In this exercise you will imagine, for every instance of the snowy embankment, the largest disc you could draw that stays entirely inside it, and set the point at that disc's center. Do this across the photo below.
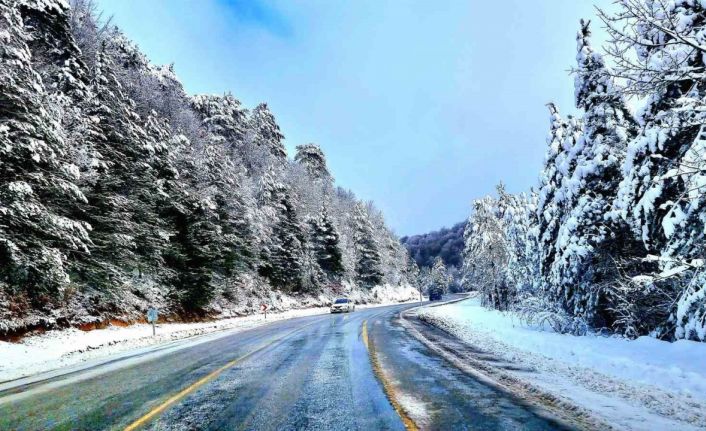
(56, 349)
(631, 384)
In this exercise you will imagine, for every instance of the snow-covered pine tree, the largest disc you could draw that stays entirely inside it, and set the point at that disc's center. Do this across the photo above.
(325, 243)
(238, 251)
(211, 240)
(550, 179)
(439, 279)
(343, 211)
(520, 223)
(181, 213)
(367, 254)
(223, 180)
(393, 256)
(121, 202)
(413, 273)
(587, 243)
(310, 192)
(87, 28)
(288, 249)
(486, 256)
(313, 277)
(662, 195)
(314, 160)
(690, 313)
(37, 182)
(55, 55)
(193, 253)
(282, 252)
(225, 119)
(264, 147)
(559, 162)
(220, 186)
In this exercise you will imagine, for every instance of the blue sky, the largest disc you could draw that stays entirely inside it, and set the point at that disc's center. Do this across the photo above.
(420, 106)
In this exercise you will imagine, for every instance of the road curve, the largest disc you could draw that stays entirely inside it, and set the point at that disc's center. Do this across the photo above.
(304, 373)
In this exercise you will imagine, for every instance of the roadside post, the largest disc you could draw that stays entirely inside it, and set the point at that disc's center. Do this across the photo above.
(263, 307)
(152, 316)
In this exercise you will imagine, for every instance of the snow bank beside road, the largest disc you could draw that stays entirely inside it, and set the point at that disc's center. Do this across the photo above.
(608, 375)
(389, 294)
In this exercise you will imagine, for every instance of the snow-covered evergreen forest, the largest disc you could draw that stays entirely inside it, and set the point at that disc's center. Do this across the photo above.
(612, 237)
(119, 191)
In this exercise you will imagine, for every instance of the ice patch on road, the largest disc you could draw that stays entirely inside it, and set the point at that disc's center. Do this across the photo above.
(414, 407)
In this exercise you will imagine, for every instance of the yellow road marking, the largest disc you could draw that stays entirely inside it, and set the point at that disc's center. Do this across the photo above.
(189, 389)
(386, 384)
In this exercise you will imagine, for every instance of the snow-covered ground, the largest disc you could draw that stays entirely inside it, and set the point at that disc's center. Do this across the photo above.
(642, 384)
(69, 347)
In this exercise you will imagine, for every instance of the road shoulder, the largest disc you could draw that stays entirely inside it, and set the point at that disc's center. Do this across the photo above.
(583, 395)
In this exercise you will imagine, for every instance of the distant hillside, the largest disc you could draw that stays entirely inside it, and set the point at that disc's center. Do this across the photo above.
(447, 243)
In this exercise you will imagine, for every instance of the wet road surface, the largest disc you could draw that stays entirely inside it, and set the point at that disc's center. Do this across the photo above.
(305, 373)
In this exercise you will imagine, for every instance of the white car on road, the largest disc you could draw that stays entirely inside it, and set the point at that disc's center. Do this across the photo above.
(342, 305)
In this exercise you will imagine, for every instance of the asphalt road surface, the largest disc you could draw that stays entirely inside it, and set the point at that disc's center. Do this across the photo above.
(306, 373)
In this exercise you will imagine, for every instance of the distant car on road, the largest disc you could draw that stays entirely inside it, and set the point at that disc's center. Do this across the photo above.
(342, 305)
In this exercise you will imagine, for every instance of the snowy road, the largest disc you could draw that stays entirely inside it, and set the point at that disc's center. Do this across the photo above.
(313, 372)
